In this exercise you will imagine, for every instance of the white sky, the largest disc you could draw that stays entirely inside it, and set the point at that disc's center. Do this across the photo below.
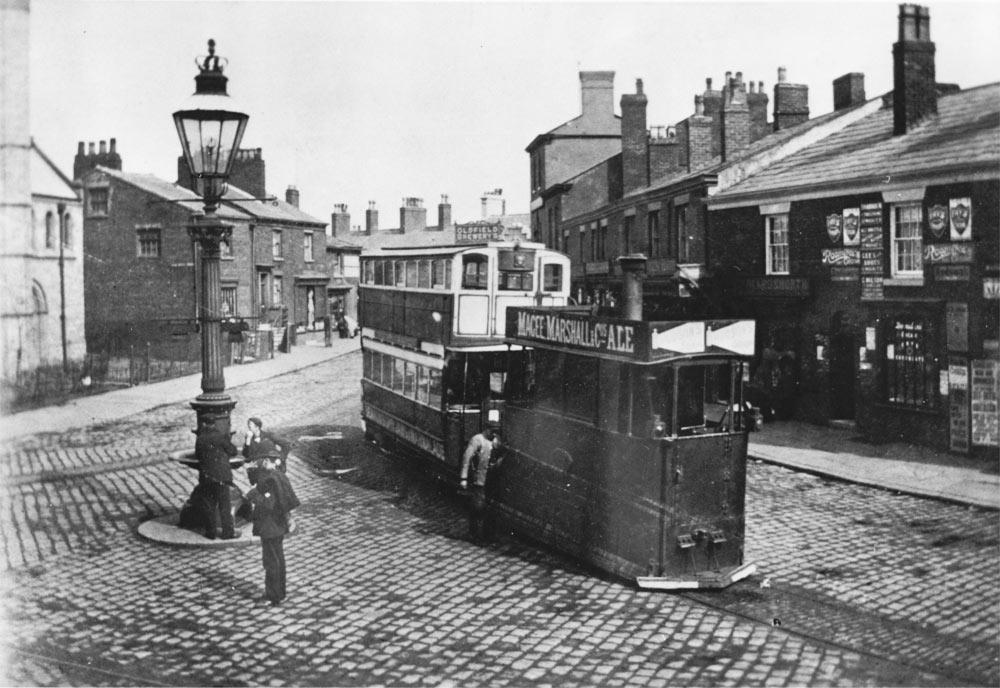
(354, 102)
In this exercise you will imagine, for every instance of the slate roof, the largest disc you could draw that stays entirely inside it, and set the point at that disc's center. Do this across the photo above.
(963, 136)
(338, 244)
(276, 210)
(578, 126)
(168, 191)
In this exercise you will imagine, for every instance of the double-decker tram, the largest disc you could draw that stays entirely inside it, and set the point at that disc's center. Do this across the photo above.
(432, 333)
(624, 440)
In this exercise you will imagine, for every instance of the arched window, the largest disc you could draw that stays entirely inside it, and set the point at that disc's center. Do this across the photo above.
(67, 231)
(50, 230)
(40, 303)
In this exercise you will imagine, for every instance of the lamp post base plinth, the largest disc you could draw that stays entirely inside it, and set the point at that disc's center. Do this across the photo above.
(215, 409)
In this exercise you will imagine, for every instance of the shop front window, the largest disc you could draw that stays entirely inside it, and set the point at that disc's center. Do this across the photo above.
(911, 370)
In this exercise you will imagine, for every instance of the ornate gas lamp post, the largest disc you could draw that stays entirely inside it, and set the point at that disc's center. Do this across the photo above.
(210, 127)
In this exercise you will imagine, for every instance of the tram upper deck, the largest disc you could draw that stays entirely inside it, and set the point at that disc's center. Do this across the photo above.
(431, 297)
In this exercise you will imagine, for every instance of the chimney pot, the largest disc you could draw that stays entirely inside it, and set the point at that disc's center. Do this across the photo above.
(104, 147)
(739, 77)
(91, 149)
(699, 106)
(79, 148)
(782, 75)
(113, 142)
(708, 84)
(638, 86)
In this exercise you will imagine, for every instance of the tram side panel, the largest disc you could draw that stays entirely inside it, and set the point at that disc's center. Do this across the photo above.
(597, 496)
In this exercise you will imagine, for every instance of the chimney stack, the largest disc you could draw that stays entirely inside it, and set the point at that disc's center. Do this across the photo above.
(664, 152)
(735, 117)
(597, 96)
(84, 163)
(444, 213)
(698, 129)
(292, 196)
(791, 102)
(757, 101)
(340, 220)
(412, 215)
(635, 170)
(371, 218)
(914, 95)
(712, 104)
(848, 90)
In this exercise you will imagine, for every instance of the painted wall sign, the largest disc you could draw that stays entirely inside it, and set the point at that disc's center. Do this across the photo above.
(985, 404)
(937, 220)
(478, 232)
(948, 253)
(793, 287)
(852, 226)
(991, 287)
(957, 318)
(872, 269)
(952, 273)
(961, 218)
(841, 256)
(834, 224)
(958, 405)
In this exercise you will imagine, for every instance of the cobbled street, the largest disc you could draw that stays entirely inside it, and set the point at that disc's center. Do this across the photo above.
(856, 585)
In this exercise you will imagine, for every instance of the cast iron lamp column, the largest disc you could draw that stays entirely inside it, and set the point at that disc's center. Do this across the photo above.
(210, 128)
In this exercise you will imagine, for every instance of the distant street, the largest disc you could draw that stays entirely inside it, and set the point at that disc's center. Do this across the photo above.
(856, 585)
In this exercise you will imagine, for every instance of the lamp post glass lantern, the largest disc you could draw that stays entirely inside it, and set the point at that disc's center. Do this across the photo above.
(210, 128)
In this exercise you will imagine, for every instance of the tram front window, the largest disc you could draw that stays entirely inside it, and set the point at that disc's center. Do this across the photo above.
(702, 394)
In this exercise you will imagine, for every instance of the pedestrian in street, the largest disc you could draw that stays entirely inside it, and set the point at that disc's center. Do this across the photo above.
(213, 448)
(273, 499)
(481, 454)
(259, 443)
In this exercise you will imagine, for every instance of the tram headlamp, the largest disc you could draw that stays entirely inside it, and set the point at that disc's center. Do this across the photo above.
(436, 317)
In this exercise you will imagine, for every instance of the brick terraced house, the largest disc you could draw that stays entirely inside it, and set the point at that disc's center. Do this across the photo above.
(873, 254)
(140, 279)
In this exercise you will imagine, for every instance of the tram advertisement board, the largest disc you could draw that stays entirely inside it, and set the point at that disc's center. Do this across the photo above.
(633, 339)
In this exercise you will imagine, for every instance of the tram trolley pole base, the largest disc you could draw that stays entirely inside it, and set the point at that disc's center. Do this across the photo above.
(707, 580)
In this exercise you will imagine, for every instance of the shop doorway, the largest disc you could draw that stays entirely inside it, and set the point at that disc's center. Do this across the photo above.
(843, 367)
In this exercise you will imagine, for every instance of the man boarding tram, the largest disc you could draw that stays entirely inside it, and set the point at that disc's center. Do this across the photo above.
(481, 454)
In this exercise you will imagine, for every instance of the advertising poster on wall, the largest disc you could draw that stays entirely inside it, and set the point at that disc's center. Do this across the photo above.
(872, 270)
(961, 218)
(958, 404)
(985, 410)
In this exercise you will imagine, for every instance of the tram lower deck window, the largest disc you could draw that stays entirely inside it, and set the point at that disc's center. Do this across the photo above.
(567, 384)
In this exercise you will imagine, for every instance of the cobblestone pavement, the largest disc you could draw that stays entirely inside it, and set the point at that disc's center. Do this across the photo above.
(869, 587)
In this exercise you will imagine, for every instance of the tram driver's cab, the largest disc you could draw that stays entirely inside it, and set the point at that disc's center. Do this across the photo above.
(692, 397)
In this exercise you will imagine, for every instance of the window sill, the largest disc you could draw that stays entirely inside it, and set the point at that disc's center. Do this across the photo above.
(903, 282)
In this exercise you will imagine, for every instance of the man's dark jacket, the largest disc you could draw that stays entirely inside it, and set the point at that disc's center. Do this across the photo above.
(272, 497)
(213, 449)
